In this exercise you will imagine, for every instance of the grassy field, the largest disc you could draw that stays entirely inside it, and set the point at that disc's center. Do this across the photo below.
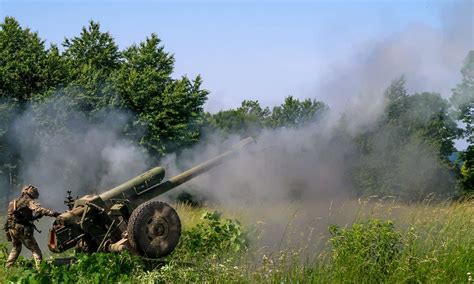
(345, 242)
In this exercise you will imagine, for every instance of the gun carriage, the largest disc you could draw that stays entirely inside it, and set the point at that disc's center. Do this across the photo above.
(126, 217)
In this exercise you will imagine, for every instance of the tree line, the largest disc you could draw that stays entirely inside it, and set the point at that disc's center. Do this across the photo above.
(90, 75)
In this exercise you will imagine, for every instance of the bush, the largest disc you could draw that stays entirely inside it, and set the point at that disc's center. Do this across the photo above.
(3, 254)
(95, 268)
(214, 236)
(369, 250)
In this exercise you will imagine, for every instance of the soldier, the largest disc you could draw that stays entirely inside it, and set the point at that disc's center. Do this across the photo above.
(19, 227)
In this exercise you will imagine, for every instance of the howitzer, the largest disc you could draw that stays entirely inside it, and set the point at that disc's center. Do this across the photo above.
(126, 217)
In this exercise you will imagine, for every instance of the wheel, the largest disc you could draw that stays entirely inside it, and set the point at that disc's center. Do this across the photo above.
(154, 229)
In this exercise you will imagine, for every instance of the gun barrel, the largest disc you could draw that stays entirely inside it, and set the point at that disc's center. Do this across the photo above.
(136, 185)
(203, 167)
(189, 174)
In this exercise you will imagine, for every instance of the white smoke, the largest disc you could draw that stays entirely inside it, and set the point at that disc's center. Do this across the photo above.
(429, 57)
(316, 157)
(81, 156)
(314, 163)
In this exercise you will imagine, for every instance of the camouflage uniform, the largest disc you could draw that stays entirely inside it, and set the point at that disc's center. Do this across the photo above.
(21, 214)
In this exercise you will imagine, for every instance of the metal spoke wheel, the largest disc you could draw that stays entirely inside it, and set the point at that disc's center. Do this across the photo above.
(154, 229)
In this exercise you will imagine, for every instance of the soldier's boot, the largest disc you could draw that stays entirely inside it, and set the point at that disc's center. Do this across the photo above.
(31, 244)
(15, 252)
(37, 258)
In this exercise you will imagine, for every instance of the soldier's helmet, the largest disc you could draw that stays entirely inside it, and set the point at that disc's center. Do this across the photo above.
(31, 190)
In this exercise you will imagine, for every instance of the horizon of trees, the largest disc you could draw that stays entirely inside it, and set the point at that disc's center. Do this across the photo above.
(93, 77)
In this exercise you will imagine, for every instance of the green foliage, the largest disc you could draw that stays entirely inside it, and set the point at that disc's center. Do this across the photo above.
(23, 60)
(3, 253)
(396, 94)
(463, 102)
(97, 268)
(8, 158)
(463, 97)
(247, 120)
(208, 242)
(406, 154)
(24, 73)
(432, 244)
(213, 237)
(90, 57)
(293, 112)
(250, 118)
(372, 247)
(423, 114)
(167, 113)
(205, 271)
(92, 48)
(467, 171)
(87, 82)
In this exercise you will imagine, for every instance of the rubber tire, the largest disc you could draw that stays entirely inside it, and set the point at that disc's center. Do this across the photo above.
(139, 236)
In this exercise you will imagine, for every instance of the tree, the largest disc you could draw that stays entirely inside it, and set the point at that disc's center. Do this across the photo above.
(463, 97)
(396, 96)
(27, 71)
(295, 113)
(91, 58)
(247, 120)
(467, 171)
(168, 113)
(27, 68)
(463, 103)
(92, 48)
(406, 154)
(250, 118)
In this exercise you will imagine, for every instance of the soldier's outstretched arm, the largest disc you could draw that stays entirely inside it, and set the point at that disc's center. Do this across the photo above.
(36, 207)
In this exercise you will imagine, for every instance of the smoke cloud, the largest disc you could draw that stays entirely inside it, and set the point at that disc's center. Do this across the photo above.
(429, 57)
(315, 161)
(79, 155)
(313, 164)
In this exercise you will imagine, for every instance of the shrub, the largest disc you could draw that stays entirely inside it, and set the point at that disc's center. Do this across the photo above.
(369, 249)
(3, 254)
(213, 236)
(95, 268)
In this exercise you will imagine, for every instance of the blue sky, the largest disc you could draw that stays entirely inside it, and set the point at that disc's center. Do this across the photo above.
(263, 50)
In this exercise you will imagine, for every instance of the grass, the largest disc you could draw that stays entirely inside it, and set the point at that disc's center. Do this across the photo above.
(370, 242)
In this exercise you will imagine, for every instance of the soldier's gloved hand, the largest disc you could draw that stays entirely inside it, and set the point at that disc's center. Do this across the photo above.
(56, 214)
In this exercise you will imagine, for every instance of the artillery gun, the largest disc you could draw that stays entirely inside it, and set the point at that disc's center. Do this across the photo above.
(126, 217)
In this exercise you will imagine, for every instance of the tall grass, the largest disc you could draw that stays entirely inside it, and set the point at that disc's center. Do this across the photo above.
(378, 242)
